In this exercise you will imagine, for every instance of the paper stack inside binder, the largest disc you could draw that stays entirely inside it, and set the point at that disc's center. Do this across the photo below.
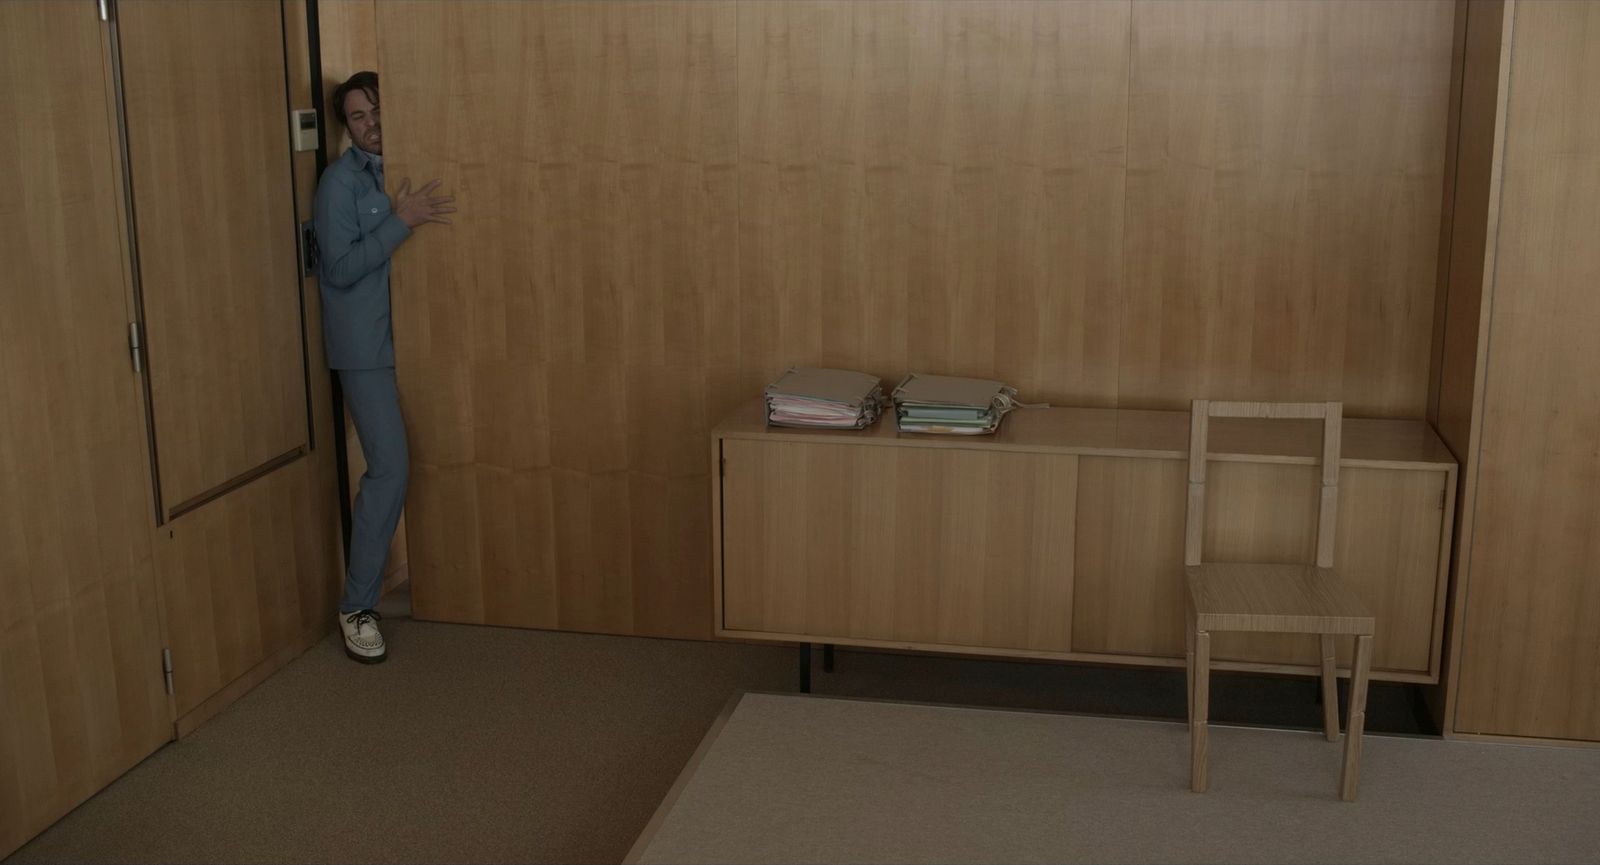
(829, 398)
(951, 405)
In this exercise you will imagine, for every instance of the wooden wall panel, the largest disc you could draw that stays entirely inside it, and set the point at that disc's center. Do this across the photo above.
(1447, 202)
(207, 109)
(348, 38)
(1285, 165)
(663, 205)
(1530, 662)
(934, 186)
(561, 389)
(81, 690)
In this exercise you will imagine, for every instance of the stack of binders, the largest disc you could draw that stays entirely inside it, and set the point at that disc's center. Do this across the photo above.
(827, 398)
(947, 404)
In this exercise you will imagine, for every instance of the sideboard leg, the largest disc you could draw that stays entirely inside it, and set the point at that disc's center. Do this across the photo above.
(805, 668)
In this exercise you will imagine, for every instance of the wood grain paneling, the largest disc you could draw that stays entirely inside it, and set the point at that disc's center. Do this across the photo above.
(1130, 597)
(620, 290)
(248, 574)
(561, 389)
(347, 33)
(934, 186)
(906, 545)
(204, 84)
(1477, 190)
(1467, 294)
(664, 205)
(1530, 663)
(1447, 202)
(1386, 552)
(1285, 165)
(81, 693)
(252, 578)
(269, 598)
(815, 526)
(1129, 573)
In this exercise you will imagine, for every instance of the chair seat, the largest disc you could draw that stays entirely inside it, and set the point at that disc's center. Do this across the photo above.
(1286, 599)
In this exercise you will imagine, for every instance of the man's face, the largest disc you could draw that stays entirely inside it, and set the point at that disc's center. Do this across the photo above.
(361, 118)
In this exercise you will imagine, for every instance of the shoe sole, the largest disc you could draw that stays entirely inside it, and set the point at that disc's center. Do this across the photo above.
(366, 659)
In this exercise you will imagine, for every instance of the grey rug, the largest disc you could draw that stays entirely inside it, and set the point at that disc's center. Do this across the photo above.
(818, 779)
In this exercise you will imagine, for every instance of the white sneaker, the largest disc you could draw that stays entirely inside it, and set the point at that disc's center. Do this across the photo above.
(362, 641)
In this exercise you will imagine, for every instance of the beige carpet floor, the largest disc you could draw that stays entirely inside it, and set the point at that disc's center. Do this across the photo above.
(470, 744)
(820, 779)
(477, 744)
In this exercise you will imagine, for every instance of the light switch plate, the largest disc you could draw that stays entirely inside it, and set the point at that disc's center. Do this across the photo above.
(303, 129)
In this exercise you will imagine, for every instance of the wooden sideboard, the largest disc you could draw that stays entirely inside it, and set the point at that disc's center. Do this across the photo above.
(1062, 535)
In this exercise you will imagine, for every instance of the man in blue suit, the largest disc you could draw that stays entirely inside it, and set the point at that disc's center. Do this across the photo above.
(358, 229)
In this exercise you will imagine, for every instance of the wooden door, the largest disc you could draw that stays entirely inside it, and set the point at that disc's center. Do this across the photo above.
(248, 553)
(1529, 661)
(82, 697)
(207, 115)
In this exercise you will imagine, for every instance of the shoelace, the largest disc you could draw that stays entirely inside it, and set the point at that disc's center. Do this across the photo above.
(361, 617)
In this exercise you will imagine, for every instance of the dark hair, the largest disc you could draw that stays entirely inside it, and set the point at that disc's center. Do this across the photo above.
(366, 82)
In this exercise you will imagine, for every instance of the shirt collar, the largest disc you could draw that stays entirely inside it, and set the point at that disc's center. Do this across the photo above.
(363, 159)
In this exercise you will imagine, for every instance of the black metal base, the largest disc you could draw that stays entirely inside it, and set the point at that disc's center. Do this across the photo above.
(805, 664)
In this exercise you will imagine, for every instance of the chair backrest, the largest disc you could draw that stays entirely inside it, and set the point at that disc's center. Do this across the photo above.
(1332, 416)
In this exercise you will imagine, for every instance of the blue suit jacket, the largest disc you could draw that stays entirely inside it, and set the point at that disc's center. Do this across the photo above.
(357, 231)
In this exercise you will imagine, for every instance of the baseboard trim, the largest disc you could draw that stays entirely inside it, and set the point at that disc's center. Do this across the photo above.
(1534, 741)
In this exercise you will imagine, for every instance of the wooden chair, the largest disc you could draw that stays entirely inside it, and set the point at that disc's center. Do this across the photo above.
(1284, 599)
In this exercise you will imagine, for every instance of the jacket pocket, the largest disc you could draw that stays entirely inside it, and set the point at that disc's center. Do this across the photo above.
(372, 210)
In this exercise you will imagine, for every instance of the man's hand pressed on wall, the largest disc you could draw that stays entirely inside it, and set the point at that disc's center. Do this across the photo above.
(415, 208)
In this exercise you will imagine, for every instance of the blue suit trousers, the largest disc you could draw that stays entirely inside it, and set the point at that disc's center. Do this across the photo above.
(374, 403)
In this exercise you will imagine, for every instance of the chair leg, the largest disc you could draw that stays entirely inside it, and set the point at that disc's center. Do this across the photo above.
(1188, 670)
(1197, 718)
(1350, 774)
(1330, 690)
